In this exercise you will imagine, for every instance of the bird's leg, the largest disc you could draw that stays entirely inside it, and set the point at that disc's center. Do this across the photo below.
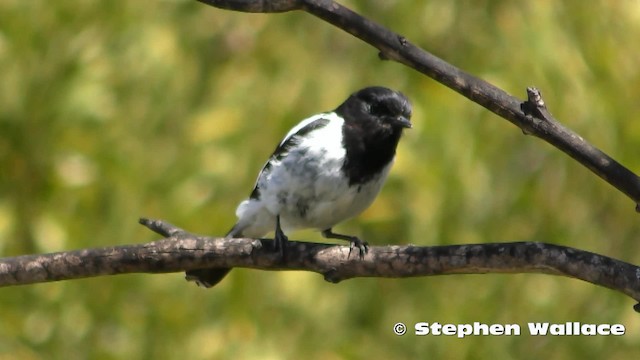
(354, 241)
(280, 240)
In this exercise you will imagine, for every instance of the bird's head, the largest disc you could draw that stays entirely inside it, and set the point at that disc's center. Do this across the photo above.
(379, 105)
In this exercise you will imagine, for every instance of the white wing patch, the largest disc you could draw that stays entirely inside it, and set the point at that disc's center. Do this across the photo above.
(331, 116)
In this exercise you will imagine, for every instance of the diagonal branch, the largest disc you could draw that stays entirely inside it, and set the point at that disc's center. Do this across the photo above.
(180, 251)
(395, 47)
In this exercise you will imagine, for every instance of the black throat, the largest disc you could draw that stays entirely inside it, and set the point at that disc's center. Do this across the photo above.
(369, 148)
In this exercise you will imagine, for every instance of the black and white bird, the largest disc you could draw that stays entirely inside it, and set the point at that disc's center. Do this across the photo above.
(329, 168)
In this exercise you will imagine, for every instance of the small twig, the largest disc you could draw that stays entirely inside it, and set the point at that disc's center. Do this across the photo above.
(184, 251)
(162, 227)
(393, 46)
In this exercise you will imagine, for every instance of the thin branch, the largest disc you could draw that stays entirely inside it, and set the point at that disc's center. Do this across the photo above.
(180, 251)
(393, 46)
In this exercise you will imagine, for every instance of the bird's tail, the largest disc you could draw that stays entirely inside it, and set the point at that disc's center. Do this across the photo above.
(209, 277)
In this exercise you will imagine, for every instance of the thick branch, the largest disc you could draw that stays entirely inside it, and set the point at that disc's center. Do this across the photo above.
(396, 47)
(180, 251)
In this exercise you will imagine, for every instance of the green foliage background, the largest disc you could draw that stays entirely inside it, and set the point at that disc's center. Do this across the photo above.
(112, 110)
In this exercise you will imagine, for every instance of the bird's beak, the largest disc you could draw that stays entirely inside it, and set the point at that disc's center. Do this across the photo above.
(404, 122)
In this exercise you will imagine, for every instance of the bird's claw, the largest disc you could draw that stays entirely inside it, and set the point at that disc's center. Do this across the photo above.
(363, 247)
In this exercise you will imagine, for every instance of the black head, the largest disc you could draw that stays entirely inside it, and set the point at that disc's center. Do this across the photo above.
(374, 118)
(379, 107)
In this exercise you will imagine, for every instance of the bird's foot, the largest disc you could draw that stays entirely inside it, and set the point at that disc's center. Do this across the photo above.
(354, 242)
(362, 246)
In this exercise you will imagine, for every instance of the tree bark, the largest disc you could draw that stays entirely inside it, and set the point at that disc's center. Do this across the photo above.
(180, 251)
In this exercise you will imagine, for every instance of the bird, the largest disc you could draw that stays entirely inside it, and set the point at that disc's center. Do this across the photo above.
(328, 168)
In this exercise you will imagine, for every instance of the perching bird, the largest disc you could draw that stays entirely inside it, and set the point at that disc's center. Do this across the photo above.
(329, 168)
